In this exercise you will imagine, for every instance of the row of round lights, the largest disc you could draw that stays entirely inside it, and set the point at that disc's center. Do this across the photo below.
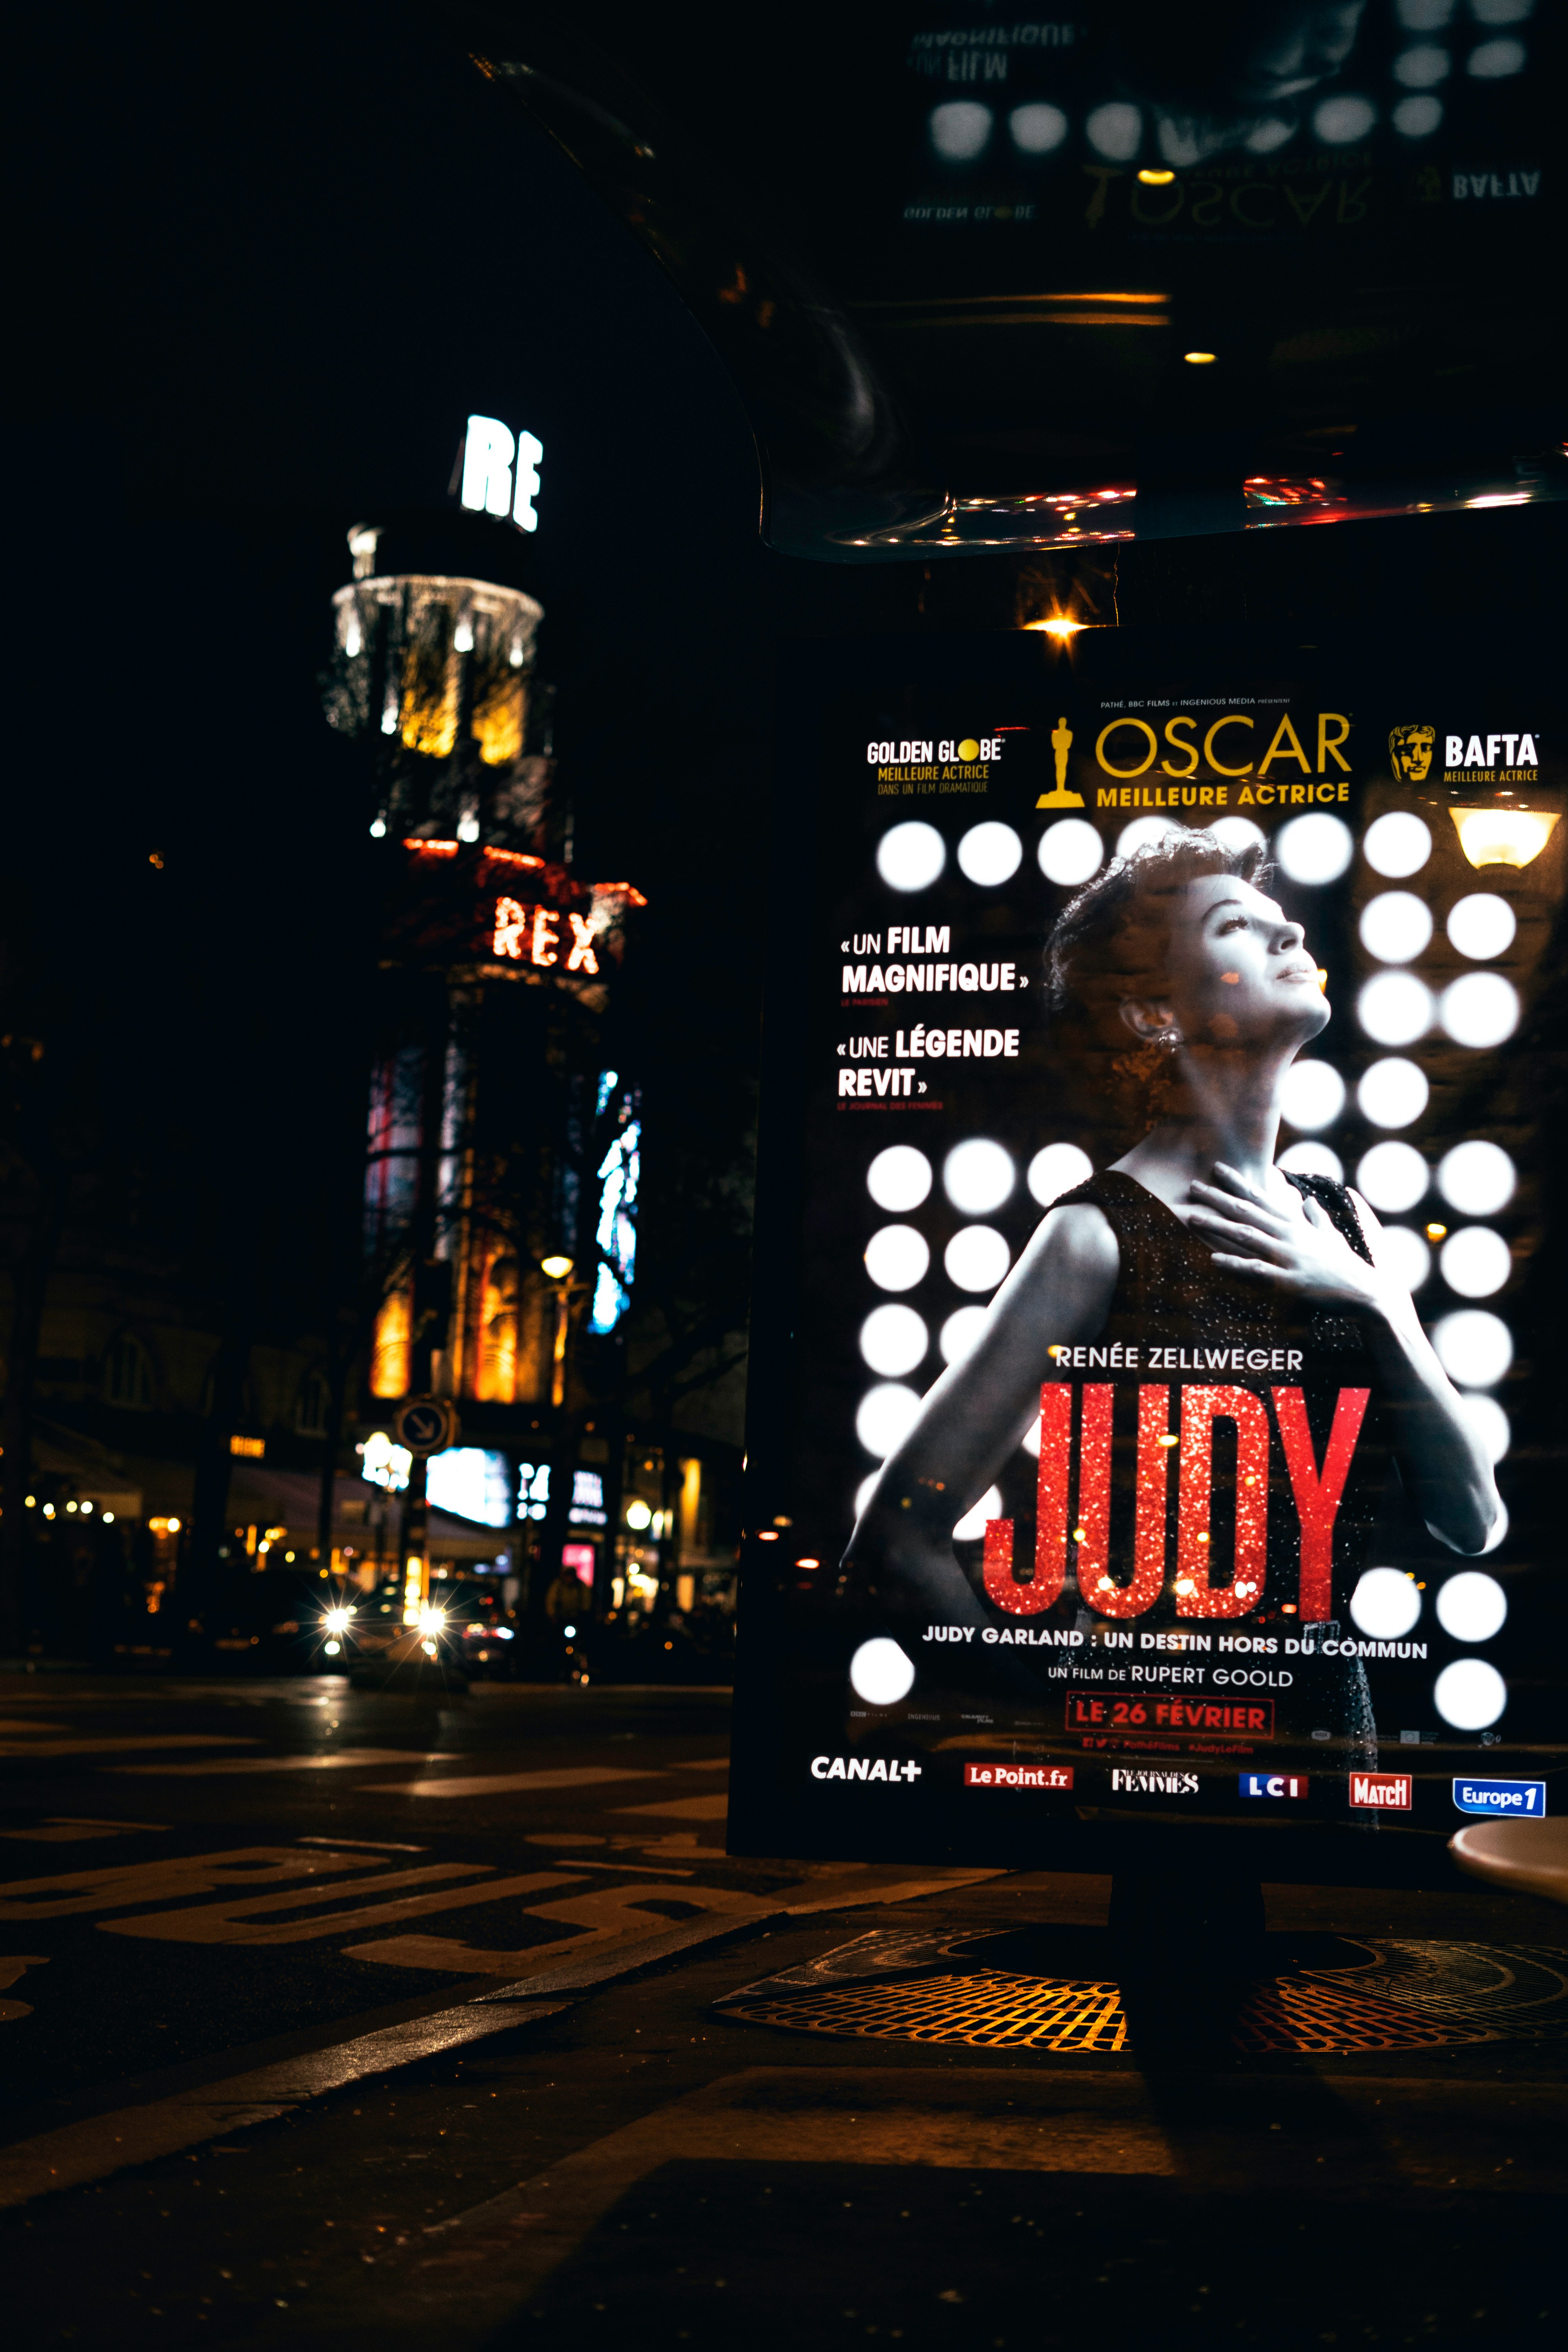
(978, 1176)
(961, 130)
(1469, 1693)
(1394, 1007)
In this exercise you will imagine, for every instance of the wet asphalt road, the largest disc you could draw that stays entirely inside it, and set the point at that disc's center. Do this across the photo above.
(249, 1928)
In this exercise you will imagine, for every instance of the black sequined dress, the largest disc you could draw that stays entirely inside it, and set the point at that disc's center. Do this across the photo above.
(1309, 1417)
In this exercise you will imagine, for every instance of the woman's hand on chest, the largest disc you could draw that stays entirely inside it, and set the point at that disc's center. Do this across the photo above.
(1292, 1246)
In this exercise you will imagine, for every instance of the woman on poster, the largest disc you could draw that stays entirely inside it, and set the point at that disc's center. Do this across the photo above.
(1195, 993)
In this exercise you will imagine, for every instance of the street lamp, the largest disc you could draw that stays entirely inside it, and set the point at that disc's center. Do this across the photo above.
(558, 1270)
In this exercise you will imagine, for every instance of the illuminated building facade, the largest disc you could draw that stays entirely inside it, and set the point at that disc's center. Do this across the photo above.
(503, 1159)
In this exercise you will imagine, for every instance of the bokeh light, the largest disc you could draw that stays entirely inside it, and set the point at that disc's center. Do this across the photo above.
(1394, 1009)
(1312, 1096)
(1473, 1606)
(899, 1178)
(1314, 849)
(1056, 1169)
(886, 1415)
(1480, 1010)
(990, 854)
(958, 130)
(1395, 926)
(1393, 1093)
(1417, 118)
(1115, 131)
(894, 1340)
(1477, 1178)
(1038, 130)
(1385, 1604)
(976, 1258)
(880, 1674)
(1393, 1176)
(1476, 1261)
(1339, 121)
(1470, 1694)
(1481, 926)
(978, 1176)
(960, 1335)
(1473, 1347)
(910, 855)
(1069, 852)
(897, 1257)
(1397, 845)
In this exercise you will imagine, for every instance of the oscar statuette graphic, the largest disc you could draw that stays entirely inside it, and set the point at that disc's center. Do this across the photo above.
(1061, 744)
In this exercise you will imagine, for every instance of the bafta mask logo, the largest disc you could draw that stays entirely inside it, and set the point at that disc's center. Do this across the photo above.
(1410, 754)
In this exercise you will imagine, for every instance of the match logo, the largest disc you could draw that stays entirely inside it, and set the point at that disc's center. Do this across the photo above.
(1381, 1792)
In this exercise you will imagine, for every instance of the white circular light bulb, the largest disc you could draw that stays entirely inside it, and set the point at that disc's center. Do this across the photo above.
(911, 856)
(880, 1674)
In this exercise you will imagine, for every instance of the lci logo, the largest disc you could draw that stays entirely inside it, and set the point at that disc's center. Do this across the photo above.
(1527, 1799)
(1017, 1776)
(1381, 1792)
(862, 1767)
(1273, 1784)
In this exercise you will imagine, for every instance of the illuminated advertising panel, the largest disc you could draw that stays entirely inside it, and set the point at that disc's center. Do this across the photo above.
(1154, 1413)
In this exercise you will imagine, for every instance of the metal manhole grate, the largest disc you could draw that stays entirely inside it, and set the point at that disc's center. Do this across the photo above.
(991, 2010)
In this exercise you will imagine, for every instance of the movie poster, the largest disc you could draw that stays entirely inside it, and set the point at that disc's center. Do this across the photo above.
(1155, 1413)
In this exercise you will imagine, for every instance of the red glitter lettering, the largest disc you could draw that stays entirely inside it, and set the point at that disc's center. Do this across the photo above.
(1318, 1494)
(1003, 1589)
(1197, 1594)
(1112, 1599)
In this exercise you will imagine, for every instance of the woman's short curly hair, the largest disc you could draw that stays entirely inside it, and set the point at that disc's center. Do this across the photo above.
(1111, 944)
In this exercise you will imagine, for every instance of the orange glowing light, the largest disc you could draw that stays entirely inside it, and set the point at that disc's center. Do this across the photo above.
(1200, 359)
(433, 848)
(509, 856)
(1437, 1232)
(1058, 626)
(512, 922)
(1156, 179)
(582, 958)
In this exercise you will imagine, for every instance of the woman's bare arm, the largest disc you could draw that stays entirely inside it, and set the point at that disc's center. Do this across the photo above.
(974, 1419)
(1440, 1456)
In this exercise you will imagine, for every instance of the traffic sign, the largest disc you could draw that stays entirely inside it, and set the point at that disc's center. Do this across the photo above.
(425, 1425)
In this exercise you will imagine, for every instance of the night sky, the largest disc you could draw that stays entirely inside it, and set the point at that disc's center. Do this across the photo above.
(271, 261)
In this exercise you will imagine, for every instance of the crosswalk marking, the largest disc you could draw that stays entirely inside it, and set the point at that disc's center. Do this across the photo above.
(327, 1759)
(609, 1918)
(124, 1744)
(115, 1886)
(499, 1784)
(230, 1922)
(684, 1808)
